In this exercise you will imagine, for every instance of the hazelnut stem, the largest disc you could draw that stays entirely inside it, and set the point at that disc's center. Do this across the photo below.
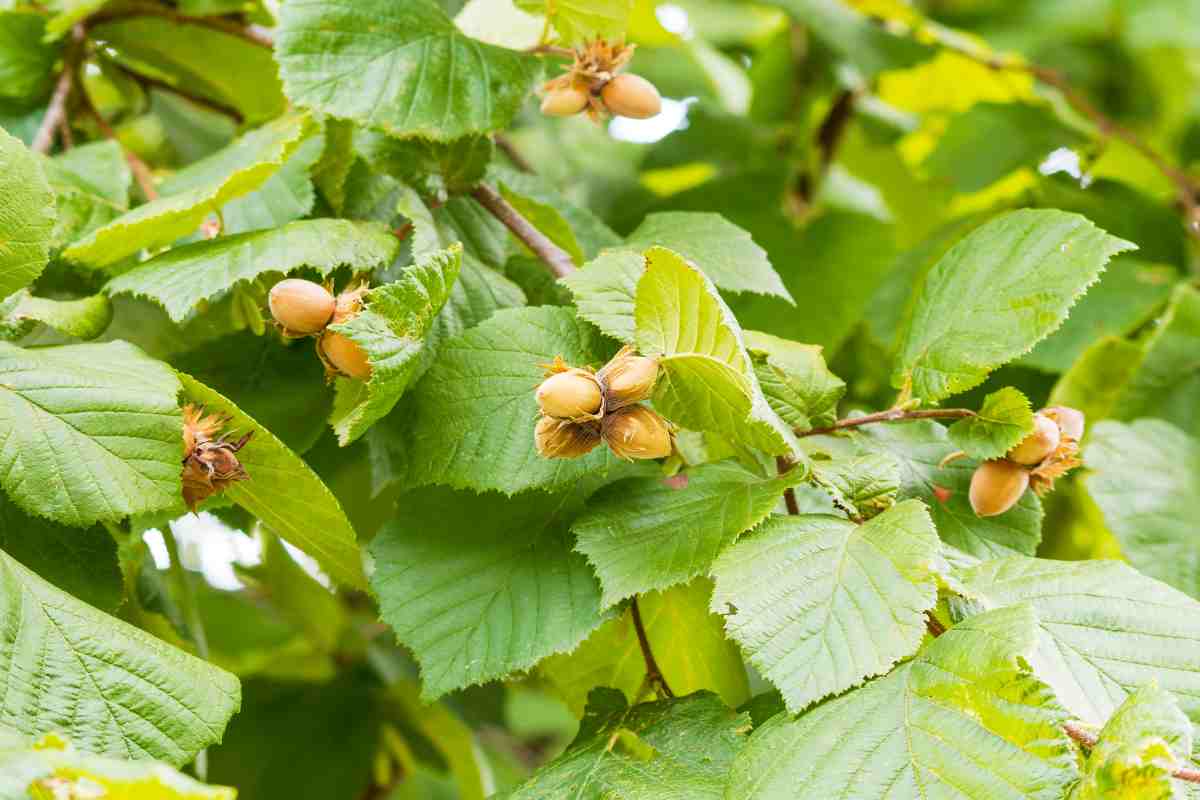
(654, 675)
(554, 257)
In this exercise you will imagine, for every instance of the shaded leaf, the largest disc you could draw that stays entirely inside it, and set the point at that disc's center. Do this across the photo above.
(27, 216)
(795, 380)
(1004, 419)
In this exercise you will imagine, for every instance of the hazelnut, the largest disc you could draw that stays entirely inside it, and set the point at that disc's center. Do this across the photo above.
(633, 96)
(1040, 443)
(301, 307)
(996, 487)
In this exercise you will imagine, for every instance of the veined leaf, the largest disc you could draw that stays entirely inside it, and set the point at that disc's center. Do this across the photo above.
(964, 719)
(1144, 740)
(285, 493)
(391, 330)
(1145, 477)
(692, 742)
(432, 167)
(27, 215)
(819, 603)
(795, 380)
(92, 432)
(26, 61)
(403, 68)
(918, 447)
(91, 187)
(1004, 419)
(239, 168)
(579, 21)
(605, 290)
(707, 381)
(688, 642)
(1095, 382)
(996, 294)
(861, 485)
(184, 277)
(646, 533)
(114, 689)
(529, 595)
(85, 318)
(286, 196)
(1104, 630)
(469, 422)
(52, 767)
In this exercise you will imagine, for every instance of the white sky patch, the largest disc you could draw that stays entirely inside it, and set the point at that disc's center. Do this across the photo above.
(1064, 159)
(208, 546)
(673, 117)
(674, 19)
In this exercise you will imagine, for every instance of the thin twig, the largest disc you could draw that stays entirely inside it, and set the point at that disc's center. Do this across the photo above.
(552, 255)
(833, 127)
(1087, 739)
(653, 673)
(514, 155)
(782, 465)
(255, 34)
(551, 50)
(56, 112)
(891, 415)
(145, 81)
(934, 625)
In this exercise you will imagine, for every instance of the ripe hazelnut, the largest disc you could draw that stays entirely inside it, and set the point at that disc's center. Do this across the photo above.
(345, 355)
(627, 379)
(1070, 420)
(636, 432)
(560, 438)
(996, 487)
(564, 102)
(1040, 443)
(301, 307)
(633, 96)
(574, 394)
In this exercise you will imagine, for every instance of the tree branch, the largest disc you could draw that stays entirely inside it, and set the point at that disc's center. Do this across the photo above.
(653, 674)
(255, 34)
(833, 127)
(56, 112)
(514, 155)
(1087, 739)
(934, 625)
(557, 259)
(891, 415)
(782, 465)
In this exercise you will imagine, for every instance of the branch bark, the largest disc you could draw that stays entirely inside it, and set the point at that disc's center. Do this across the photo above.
(56, 112)
(554, 257)
(1087, 739)
(891, 415)
(653, 674)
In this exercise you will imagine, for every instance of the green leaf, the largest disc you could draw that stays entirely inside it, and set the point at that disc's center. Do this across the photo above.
(1104, 630)
(26, 62)
(547, 219)
(183, 54)
(93, 432)
(239, 168)
(918, 447)
(1167, 381)
(819, 603)
(469, 422)
(85, 318)
(529, 597)
(647, 533)
(707, 381)
(1017, 135)
(580, 21)
(391, 330)
(1094, 383)
(403, 68)
(722, 250)
(185, 277)
(1144, 740)
(113, 689)
(692, 741)
(52, 767)
(688, 642)
(587, 229)
(91, 187)
(284, 493)
(795, 380)
(286, 196)
(27, 216)
(82, 563)
(337, 159)
(605, 290)
(995, 294)
(861, 485)
(1145, 476)
(433, 167)
(964, 719)
(1004, 419)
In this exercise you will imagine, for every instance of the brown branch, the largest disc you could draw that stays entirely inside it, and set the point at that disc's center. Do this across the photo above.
(782, 465)
(653, 674)
(891, 415)
(139, 168)
(514, 155)
(56, 112)
(255, 34)
(1087, 740)
(833, 127)
(934, 625)
(145, 81)
(557, 259)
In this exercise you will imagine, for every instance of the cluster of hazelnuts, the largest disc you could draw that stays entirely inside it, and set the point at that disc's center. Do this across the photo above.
(581, 408)
(303, 308)
(210, 460)
(1048, 452)
(594, 83)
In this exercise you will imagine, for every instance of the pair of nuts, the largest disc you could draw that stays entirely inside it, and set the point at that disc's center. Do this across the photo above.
(304, 308)
(580, 409)
(626, 95)
(1048, 452)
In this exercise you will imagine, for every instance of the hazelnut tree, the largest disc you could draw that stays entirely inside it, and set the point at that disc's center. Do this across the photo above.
(601, 399)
